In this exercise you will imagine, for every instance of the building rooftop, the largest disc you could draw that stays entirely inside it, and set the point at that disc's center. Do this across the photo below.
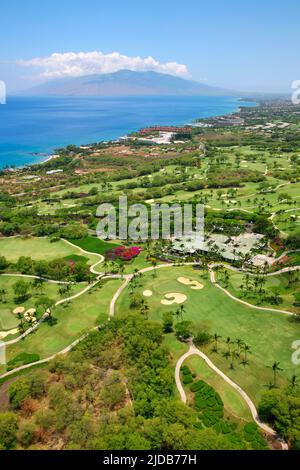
(229, 247)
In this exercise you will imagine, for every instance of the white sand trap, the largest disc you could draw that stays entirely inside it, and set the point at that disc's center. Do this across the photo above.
(174, 298)
(30, 312)
(147, 293)
(3, 334)
(19, 310)
(150, 201)
(30, 319)
(190, 282)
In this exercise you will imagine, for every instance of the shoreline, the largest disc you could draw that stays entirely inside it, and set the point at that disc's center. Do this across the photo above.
(48, 158)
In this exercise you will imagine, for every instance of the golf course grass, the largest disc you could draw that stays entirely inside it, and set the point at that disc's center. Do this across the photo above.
(284, 285)
(7, 319)
(233, 402)
(269, 335)
(72, 319)
(94, 245)
(38, 249)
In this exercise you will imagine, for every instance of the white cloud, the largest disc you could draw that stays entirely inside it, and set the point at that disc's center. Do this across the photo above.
(73, 64)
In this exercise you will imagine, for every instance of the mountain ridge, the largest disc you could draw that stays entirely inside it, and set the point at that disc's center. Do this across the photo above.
(125, 83)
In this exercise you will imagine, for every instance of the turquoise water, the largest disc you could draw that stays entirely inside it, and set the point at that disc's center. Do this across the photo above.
(31, 128)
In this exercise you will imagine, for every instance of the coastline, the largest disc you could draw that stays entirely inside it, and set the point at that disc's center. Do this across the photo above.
(47, 158)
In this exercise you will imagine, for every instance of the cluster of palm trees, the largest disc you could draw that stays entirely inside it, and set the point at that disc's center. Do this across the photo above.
(253, 285)
(235, 349)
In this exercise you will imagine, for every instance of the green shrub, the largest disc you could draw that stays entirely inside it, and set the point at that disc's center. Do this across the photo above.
(250, 428)
(186, 371)
(197, 386)
(26, 434)
(187, 379)
(200, 404)
(211, 401)
(8, 430)
(18, 392)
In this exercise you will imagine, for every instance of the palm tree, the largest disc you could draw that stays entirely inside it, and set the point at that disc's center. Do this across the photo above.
(154, 264)
(105, 265)
(275, 367)
(247, 350)
(216, 338)
(177, 314)
(239, 344)
(233, 356)
(122, 269)
(294, 381)
(3, 294)
(182, 311)
(228, 342)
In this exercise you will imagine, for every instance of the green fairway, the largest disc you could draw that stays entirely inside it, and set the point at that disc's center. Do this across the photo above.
(214, 310)
(7, 319)
(73, 319)
(38, 249)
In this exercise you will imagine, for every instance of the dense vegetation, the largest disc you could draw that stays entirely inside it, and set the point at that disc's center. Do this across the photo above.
(115, 391)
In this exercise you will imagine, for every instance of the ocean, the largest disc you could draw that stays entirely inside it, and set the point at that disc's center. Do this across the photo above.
(32, 128)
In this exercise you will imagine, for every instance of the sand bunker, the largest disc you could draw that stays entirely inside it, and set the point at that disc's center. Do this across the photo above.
(174, 298)
(30, 311)
(190, 282)
(147, 293)
(19, 310)
(3, 334)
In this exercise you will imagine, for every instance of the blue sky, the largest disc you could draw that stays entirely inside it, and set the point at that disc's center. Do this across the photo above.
(244, 45)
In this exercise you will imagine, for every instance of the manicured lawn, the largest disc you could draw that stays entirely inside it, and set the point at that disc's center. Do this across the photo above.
(7, 319)
(269, 335)
(288, 222)
(94, 245)
(38, 249)
(234, 403)
(82, 314)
